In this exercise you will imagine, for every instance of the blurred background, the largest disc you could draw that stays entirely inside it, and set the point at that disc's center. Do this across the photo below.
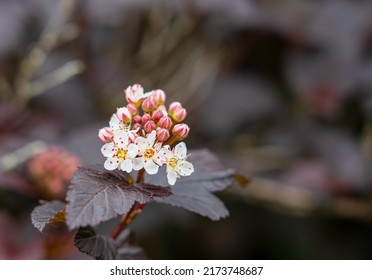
(280, 90)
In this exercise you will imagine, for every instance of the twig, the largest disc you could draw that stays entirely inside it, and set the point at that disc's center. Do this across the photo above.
(59, 76)
(14, 159)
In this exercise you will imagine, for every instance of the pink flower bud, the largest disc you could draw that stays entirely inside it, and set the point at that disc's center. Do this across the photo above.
(175, 106)
(149, 104)
(179, 115)
(159, 96)
(177, 112)
(137, 126)
(162, 134)
(132, 109)
(181, 130)
(149, 126)
(106, 135)
(137, 119)
(165, 122)
(157, 116)
(124, 115)
(146, 118)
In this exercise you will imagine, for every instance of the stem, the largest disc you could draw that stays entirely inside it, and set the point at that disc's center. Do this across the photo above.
(171, 140)
(125, 220)
(140, 176)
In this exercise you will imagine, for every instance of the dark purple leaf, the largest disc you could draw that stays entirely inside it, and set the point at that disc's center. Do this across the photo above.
(96, 195)
(49, 216)
(105, 248)
(194, 192)
(98, 246)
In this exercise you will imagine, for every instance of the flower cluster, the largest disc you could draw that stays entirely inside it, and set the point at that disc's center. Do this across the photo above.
(141, 135)
(52, 170)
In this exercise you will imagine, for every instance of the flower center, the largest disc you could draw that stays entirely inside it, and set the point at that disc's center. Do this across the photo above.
(121, 153)
(172, 162)
(149, 153)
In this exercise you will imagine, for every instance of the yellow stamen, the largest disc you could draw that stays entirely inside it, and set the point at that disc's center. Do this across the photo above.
(172, 162)
(121, 153)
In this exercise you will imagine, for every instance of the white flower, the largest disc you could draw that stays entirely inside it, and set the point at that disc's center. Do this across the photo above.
(176, 162)
(148, 150)
(119, 153)
(116, 124)
(135, 93)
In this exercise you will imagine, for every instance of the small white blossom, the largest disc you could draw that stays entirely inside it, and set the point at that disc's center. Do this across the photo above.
(135, 93)
(116, 124)
(119, 153)
(148, 151)
(176, 162)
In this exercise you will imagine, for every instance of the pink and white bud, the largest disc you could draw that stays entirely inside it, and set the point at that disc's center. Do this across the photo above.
(178, 115)
(165, 122)
(132, 109)
(149, 104)
(124, 115)
(181, 131)
(159, 96)
(162, 134)
(159, 113)
(175, 106)
(106, 135)
(149, 126)
(177, 112)
(134, 94)
(137, 119)
(137, 126)
(146, 118)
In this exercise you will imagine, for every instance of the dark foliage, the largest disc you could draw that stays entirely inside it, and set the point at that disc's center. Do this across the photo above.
(96, 195)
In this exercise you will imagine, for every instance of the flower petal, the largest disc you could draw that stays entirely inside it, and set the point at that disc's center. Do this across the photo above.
(121, 138)
(126, 165)
(115, 123)
(141, 144)
(166, 152)
(151, 138)
(137, 163)
(132, 150)
(172, 176)
(180, 150)
(150, 167)
(111, 164)
(108, 150)
(184, 168)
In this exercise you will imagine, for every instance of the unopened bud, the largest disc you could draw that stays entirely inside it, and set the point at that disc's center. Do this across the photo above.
(106, 135)
(165, 122)
(132, 109)
(137, 119)
(174, 106)
(177, 112)
(137, 126)
(181, 131)
(124, 115)
(149, 126)
(149, 104)
(162, 134)
(159, 96)
(146, 118)
(159, 113)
